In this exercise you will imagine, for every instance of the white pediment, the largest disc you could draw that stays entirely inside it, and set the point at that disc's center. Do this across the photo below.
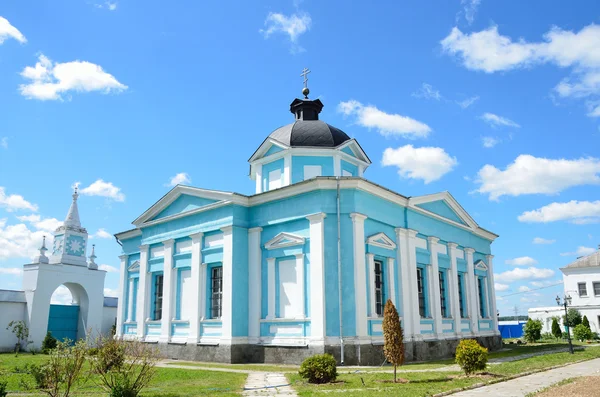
(134, 267)
(381, 240)
(284, 240)
(480, 265)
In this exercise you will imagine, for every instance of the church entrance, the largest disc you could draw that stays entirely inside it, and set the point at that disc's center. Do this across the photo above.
(67, 317)
(62, 321)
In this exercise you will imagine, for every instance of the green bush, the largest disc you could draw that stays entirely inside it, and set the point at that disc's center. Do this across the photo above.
(573, 318)
(556, 331)
(48, 343)
(586, 322)
(471, 356)
(532, 330)
(581, 332)
(3, 392)
(320, 368)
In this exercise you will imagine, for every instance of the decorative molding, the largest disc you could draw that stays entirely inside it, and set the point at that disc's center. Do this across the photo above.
(134, 267)
(481, 265)
(318, 217)
(284, 240)
(356, 216)
(381, 240)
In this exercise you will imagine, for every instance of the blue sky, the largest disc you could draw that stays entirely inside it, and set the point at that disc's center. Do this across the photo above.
(496, 102)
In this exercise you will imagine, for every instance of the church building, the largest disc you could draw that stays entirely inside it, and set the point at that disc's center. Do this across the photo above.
(306, 264)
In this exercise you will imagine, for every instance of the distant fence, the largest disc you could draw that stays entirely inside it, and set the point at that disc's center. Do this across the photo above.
(511, 330)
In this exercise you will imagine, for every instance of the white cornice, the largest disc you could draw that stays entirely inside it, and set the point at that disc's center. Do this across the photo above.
(208, 207)
(128, 234)
(381, 240)
(284, 240)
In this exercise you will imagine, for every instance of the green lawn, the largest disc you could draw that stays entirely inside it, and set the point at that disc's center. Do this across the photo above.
(244, 367)
(170, 382)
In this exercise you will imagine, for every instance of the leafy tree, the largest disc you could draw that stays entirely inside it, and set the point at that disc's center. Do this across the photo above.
(573, 318)
(393, 344)
(21, 331)
(581, 333)
(48, 343)
(586, 322)
(532, 330)
(471, 356)
(556, 331)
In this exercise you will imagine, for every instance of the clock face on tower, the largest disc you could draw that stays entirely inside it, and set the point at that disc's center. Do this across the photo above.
(58, 245)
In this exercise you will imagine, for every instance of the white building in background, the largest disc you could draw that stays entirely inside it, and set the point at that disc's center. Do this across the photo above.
(582, 283)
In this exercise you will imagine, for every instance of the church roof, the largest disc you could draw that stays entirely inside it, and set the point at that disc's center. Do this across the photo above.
(309, 133)
(592, 260)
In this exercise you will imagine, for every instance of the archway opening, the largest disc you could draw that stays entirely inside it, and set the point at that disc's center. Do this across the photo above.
(67, 318)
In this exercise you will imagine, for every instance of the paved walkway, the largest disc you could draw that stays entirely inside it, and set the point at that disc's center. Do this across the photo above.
(268, 384)
(528, 384)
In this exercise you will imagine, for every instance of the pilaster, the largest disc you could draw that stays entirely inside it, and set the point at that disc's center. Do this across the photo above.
(453, 288)
(122, 288)
(227, 297)
(435, 284)
(300, 281)
(287, 169)
(317, 277)
(259, 179)
(271, 288)
(198, 297)
(492, 292)
(410, 292)
(168, 291)
(360, 274)
(254, 283)
(392, 280)
(143, 298)
(472, 291)
(372, 305)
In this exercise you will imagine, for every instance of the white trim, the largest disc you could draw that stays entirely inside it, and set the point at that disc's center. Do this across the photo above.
(453, 285)
(360, 274)
(317, 276)
(420, 243)
(481, 265)
(292, 239)
(287, 169)
(227, 295)
(392, 282)
(254, 282)
(448, 199)
(271, 288)
(385, 242)
(128, 234)
(404, 272)
(121, 306)
(372, 303)
(168, 291)
(143, 298)
(208, 207)
(300, 281)
(258, 178)
(197, 298)
(473, 301)
(134, 267)
(264, 148)
(435, 283)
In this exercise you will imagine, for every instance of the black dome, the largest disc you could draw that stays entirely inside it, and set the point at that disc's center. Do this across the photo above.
(309, 133)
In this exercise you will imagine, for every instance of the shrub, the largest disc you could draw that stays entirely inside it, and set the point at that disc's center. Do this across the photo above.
(63, 368)
(532, 330)
(547, 336)
(123, 368)
(320, 368)
(471, 356)
(586, 322)
(48, 343)
(573, 318)
(581, 332)
(3, 384)
(393, 344)
(556, 331)
(21, 331)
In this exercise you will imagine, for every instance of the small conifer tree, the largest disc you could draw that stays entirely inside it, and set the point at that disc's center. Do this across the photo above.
(556, 331)
(586, 322)
(393, 343)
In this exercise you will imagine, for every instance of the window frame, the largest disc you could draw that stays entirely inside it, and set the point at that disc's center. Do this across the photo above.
(378, 277)
(461, 297)
(481, 295)
(216, 280)
(594, 284)
(421, 292)
(584, 284)
(443, 300)
(157, 298)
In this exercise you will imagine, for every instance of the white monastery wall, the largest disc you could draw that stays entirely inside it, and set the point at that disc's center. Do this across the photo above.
(10, 311)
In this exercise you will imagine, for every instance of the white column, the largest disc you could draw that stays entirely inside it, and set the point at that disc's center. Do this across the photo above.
(121, 301)
(392, 280)
(271, 288)
(259, 179)
(202, 292)
(435, 284)
(254, 284)
(472, 291)
(197, 299)
(143, 298)
(407, 282)
(492, 289)
(360, 274)
(317, 277)
(300, 281)
(168, 291)
(227, 297)
(130, 300)
(453, 288)
(337, 165)
(287, 169)
(372, 306)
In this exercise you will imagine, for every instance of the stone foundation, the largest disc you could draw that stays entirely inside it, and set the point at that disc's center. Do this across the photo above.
(366, 354)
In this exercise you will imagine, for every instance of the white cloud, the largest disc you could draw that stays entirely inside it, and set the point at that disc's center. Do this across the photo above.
(521, 261)
(579, 212)
(520, 273)
(540, 240)
(101, 233)
(426, 163)
(546, 283)
(470, 9)
(111, 292)
(467, 102)
(111, 6)
(13, 271)
(427, 92)
(108, 268)
(490, 52)
(180, 179)
(4, 142)
(536, 175)
(47, 224)
(293, 26)
(501, 287)
(15, 202)
(489, 141)
(581, 251)
(494, 120)
(103, 189)
(8, 31)
(18, 241)
(387, 124)
(50, 80)
(62, 296)
(524, 288)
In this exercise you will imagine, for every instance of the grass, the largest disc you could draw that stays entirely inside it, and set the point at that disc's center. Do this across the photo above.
(243, 367)
(168, 382)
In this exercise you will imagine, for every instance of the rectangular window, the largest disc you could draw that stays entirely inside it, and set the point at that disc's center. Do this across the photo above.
(158, 297)
(312, 171)
(216, 291)
(420, 287)
(461, 301)
(442, 277)
(582, 289)
(274, 179)
(379, 288)
(596, 285)
(481, 297)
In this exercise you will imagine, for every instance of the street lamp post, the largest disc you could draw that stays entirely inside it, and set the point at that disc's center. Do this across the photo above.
(566, 302)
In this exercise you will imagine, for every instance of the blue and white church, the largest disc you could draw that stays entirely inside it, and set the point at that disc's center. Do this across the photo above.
(306, 264)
